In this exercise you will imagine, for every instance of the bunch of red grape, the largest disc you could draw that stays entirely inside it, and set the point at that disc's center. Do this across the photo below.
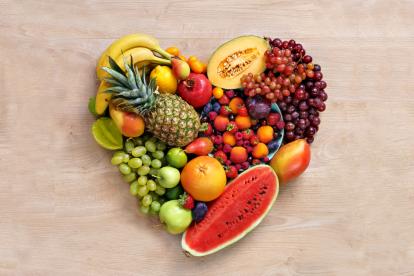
(295, 83)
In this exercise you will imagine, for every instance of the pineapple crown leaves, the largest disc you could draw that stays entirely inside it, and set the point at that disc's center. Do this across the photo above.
(131, 92)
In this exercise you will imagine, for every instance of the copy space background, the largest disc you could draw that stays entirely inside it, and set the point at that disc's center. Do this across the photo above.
(66, 211)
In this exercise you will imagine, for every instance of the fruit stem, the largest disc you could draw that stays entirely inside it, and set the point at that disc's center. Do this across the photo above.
(189, 83)
(164, 53)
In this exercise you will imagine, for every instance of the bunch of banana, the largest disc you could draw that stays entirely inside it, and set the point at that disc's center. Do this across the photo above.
(141, 47)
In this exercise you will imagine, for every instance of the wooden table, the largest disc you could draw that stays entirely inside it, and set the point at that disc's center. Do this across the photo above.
(66, 211)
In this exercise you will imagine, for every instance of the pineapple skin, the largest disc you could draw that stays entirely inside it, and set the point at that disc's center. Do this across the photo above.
(172, 120)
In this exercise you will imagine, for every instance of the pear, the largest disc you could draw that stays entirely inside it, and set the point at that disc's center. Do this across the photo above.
(180, 68)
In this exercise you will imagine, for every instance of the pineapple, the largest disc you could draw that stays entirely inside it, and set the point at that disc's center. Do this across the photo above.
(168, 117)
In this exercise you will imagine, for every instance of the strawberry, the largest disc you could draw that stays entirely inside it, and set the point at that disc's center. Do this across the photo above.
(212, 115)
(187, 201)
(206, 129)
(232, 127)
(221, 156)
(254, 140)
(224, 100)
(231, 172)
(225, 110)
(242, 111)
(247, 133)
(256, 162)
(228, 162)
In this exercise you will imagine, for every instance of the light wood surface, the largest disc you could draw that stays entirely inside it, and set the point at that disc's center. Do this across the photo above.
(66, 211)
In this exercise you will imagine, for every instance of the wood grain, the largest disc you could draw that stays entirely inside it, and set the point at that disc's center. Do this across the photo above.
(66, 211)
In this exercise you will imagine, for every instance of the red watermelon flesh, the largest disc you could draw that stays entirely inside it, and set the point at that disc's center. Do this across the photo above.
(241, 207)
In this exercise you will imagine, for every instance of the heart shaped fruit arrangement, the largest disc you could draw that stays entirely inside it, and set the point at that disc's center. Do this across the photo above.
(193, 140)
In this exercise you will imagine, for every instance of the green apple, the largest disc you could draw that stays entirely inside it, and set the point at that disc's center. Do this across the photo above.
(177, 157)
(168, 177)
(175, 217)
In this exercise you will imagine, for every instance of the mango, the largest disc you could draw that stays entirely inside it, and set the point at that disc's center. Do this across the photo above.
(129, 124)
(291, 160)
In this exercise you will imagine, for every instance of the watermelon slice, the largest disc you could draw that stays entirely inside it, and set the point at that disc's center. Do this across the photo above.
(241, 207)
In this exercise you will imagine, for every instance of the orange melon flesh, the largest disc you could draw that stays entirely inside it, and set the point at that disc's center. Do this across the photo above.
(240, 208)
(235, 58)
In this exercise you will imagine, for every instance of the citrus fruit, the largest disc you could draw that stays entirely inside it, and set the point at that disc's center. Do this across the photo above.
(203, 178)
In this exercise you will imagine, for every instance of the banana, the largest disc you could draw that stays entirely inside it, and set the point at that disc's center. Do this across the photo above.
(140, 55)
(102, 98)
(126, 43)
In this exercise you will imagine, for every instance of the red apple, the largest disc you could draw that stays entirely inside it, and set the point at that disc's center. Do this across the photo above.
(196, 90)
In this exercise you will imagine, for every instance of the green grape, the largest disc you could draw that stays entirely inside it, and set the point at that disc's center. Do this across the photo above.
(150, 146)
(144, 209)
(135, 163)
(139, 151)
(145, 137)
(130, 177)
(151, 185)
(143, 170)
(161, 146)
(146, 200)
(161, 200)
(133, 188)
(153, 172)
(129, 146)
(142, 191)
(117, 159)
(154, 196)
(126, 158)
(158, 154)
(153, 139)
(160, 190)
(146, 160)
(119, 153)
(142, 180)
(138, 141)
(155, 206)
(124, 169)
(156, 164)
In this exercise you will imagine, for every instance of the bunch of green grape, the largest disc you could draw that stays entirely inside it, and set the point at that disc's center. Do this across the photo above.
(139, 164)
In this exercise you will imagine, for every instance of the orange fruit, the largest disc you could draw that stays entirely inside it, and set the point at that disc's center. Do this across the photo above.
(260, 151)
(228, 138)
(218, 92)
(243, 122)
(265, 134)
(183, 58)
(173, 51)
(197, 66)
(203, 178)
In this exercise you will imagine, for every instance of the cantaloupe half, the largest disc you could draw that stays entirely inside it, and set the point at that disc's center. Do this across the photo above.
(233, 59)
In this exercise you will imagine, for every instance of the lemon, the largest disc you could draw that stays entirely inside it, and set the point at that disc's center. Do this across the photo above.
(165, 79)
(106, 134)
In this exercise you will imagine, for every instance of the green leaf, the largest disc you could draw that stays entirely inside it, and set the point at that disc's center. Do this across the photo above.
(115, 65)
(91, 106)
(107, 134)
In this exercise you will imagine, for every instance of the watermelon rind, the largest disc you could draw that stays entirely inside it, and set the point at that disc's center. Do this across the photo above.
(196, 253)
